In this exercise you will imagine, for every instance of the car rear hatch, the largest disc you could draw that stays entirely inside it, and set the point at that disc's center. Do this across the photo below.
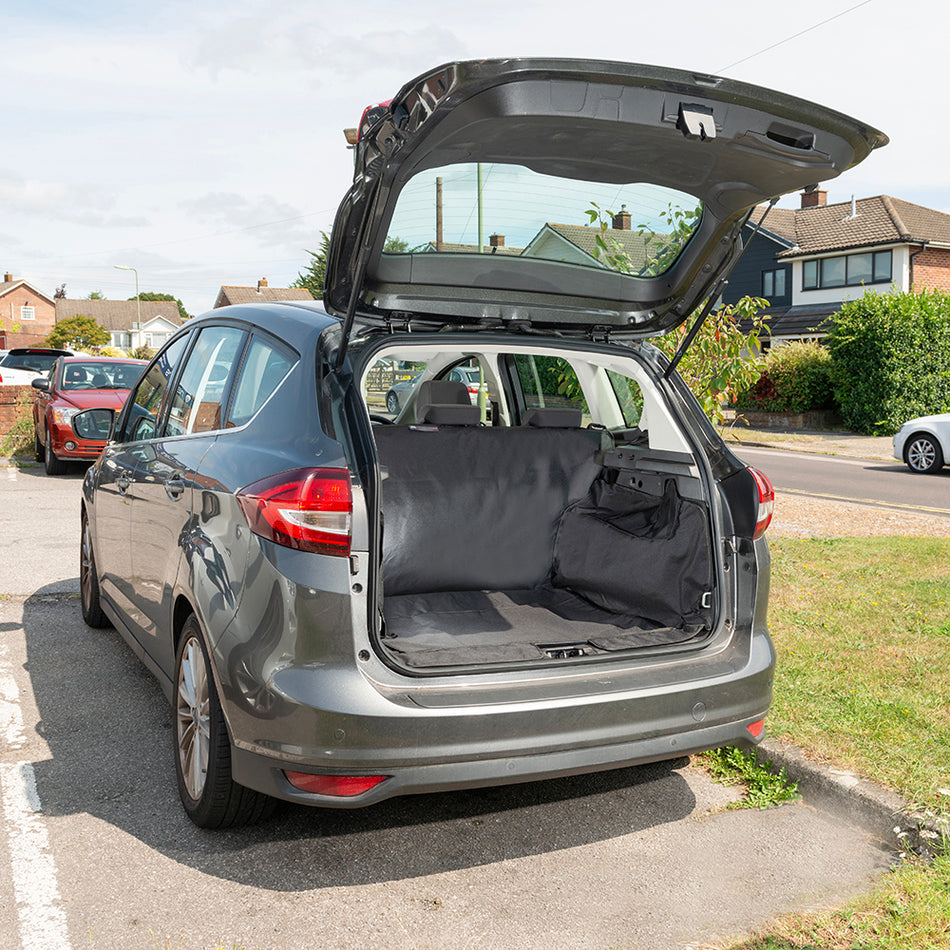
(567, 194)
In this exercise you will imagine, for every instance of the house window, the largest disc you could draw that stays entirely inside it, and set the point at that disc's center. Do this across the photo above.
(121, 339)
(849, 270)
(27, 313)
(773, 283)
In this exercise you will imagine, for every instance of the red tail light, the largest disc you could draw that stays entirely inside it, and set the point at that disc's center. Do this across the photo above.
(766, 502)
(756, 728)
(473, 390)
(341, 786)
(310, 509)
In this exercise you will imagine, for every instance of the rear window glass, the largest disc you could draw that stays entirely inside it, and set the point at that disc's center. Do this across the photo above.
(637, 228)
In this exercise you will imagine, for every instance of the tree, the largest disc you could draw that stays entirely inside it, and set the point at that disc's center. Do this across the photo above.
(78, 333)
(725, 358)
(312, 277)
(182, 312)
(60, 292)
(96, 295)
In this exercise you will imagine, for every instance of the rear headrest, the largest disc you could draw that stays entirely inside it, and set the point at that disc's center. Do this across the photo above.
(444, 393)
(553, 418)
(439, 414)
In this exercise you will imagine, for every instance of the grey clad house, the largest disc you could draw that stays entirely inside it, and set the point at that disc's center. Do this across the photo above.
(807, 261)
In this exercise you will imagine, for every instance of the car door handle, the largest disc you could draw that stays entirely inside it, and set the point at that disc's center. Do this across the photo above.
(174, 486)
(122, 482)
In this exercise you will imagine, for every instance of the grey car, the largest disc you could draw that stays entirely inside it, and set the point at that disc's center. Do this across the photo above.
(570, 576)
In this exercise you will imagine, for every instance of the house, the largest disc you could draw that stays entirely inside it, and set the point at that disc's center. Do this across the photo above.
(577, 243)
(496, 245)
(807, 261)
(26, 314)
(228, 295)
(131, 323)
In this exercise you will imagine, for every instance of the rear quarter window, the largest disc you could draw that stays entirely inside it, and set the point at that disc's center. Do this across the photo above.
(263, 370)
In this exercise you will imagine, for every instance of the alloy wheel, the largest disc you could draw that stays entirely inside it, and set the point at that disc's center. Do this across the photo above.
(193, 718)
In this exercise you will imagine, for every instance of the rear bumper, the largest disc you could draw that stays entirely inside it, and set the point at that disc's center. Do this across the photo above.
(426, 749)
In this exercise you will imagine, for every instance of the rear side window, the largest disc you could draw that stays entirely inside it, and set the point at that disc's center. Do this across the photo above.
(263, 371)
(202, 389)
(549, 382)
(629, 397)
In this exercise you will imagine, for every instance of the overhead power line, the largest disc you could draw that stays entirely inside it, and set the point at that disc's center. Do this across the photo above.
(794, 36)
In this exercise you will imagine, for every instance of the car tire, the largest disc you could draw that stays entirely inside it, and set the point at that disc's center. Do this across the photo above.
(211, 798)
(923, 454)
(92, 612)
(39, 451)
(392, 402)
(54, 466)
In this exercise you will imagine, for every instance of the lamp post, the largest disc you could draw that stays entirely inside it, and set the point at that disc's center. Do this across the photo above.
(138, 299)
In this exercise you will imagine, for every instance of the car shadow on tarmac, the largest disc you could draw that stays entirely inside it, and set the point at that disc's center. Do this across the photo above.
(109, 730)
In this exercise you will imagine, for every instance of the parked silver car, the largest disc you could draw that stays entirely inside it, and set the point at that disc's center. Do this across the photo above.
(343, 609)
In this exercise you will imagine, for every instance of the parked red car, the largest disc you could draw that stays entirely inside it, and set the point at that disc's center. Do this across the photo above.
(74, 383)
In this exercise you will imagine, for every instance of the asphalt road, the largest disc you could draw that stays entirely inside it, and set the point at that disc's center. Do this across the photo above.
(885, 484)
(96, 853)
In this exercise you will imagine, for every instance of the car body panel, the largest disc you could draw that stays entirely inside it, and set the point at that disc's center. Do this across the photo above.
(728, 144)
(937, 425)
(57, 396)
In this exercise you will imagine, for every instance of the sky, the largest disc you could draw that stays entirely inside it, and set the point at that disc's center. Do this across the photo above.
(202, 142)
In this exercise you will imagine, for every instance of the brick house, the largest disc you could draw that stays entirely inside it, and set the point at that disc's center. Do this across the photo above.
(26, 314)
(130, 323)
(229, 295)
(807, 261)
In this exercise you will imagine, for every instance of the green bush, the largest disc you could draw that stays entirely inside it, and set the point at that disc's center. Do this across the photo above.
(795, 378)
(890, 358)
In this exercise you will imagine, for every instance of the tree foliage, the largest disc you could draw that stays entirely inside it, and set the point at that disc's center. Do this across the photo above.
(78, 333)
(182, 312)
(724, 359)
(313, 275)
(795, 378)
(891, 359)
(95, 295)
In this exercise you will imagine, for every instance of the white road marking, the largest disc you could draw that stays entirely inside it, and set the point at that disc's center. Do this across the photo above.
(33, 870)
(817, 457)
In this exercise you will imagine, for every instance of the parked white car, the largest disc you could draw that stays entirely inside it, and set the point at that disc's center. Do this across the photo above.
(21, 365)
(924, 443)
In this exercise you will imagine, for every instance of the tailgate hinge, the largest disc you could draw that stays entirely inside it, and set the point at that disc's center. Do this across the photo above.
(398, 323)
(599, 334)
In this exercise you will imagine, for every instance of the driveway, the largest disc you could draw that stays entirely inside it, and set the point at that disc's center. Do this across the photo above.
(101, 855)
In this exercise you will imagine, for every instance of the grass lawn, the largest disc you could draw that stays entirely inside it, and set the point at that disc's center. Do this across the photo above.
(862, 630)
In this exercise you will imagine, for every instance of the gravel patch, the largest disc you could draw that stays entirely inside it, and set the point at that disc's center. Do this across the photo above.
(797, 516)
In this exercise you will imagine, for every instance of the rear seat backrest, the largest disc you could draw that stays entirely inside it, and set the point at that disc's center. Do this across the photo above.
(477, 508)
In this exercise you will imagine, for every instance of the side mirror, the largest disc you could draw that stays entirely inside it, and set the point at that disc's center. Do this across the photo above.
(93, 425)
(41, 383)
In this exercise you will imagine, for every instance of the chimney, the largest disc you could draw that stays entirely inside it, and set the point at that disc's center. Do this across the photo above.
(496, 240)
(621, 220)
(8, 278)
(814, 199)
(261, 283)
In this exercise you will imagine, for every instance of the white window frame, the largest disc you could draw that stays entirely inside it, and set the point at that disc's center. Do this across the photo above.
(27, 313)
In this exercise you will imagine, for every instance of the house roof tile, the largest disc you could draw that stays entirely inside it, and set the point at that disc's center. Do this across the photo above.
(118, 314)
(229, 294)
(878, 220)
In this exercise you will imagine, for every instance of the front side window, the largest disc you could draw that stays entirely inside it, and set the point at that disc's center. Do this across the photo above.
(149, 397)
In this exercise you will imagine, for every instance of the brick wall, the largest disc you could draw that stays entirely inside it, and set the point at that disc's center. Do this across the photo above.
(8, 406)
(931, 269)
(30, 332)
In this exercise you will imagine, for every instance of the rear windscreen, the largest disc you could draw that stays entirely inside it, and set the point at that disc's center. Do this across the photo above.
(510, 210)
